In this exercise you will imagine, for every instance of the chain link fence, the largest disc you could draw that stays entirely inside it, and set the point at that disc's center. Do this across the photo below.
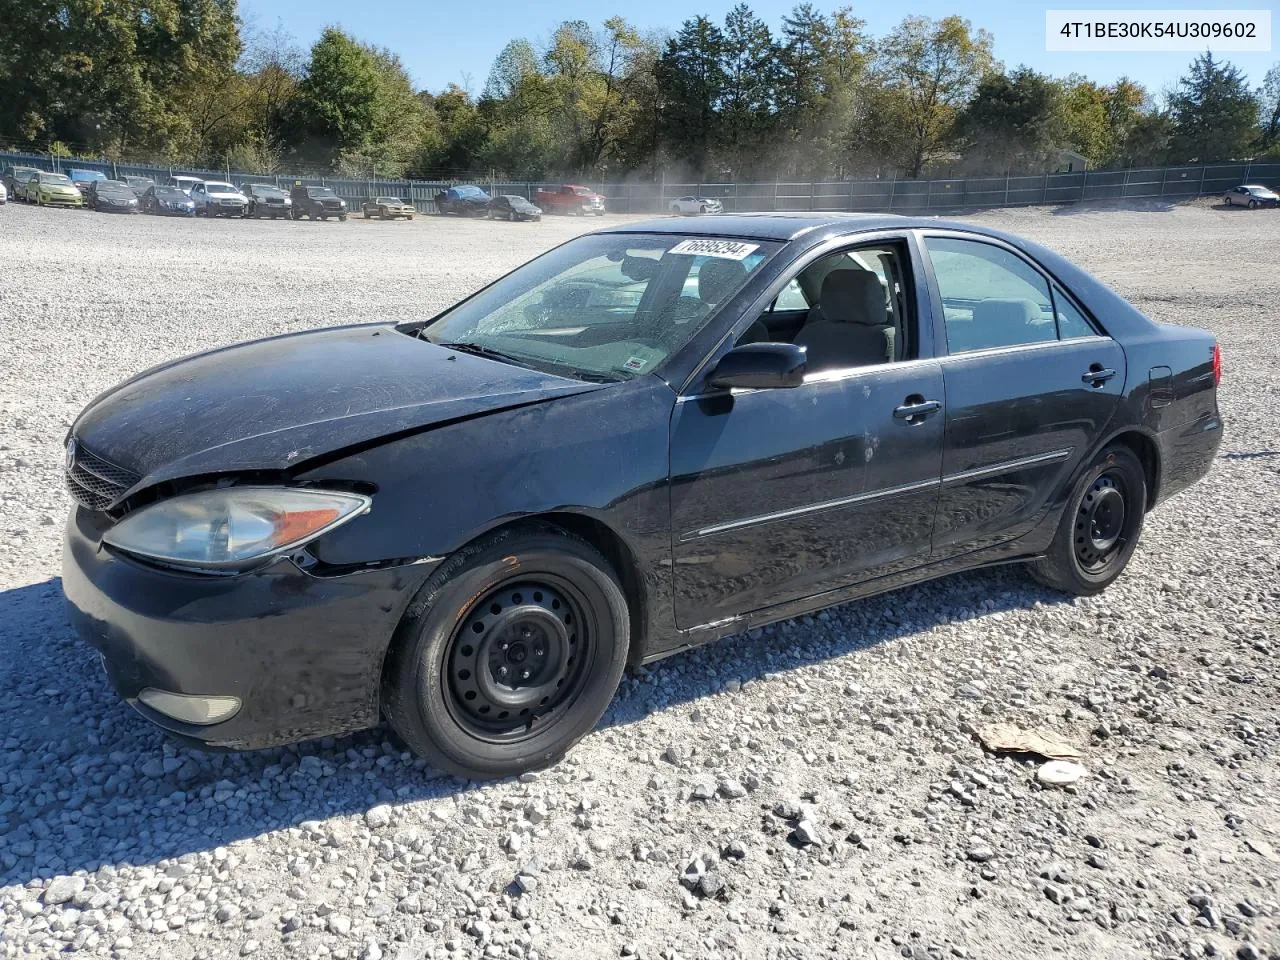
(876, 196)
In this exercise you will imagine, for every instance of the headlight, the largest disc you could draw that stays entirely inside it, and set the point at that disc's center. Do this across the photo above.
(342, 203)
(234, 526)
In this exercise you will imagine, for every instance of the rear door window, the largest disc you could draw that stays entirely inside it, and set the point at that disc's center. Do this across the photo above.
(990, 297)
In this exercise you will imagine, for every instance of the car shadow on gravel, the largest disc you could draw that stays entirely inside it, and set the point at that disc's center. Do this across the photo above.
(87, 784)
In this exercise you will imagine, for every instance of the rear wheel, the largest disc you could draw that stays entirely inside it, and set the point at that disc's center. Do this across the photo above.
(510, 654)
(1100, 528)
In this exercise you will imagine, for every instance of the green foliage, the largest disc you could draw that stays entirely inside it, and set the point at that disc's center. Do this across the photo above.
(110, 77)
(1013, 121)
(1214, 115)
(932, 67)
(815, 96)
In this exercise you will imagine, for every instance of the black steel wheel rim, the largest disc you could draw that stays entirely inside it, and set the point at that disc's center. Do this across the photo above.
(1102, 521)
(518, 659)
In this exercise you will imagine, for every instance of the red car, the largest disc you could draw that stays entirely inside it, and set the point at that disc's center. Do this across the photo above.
(571, 198)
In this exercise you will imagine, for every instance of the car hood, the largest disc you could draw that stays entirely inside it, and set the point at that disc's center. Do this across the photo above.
(224, 195)
(275, 404)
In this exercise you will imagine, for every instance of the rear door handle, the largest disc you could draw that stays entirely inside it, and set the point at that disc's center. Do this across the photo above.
(916, 411)
(1097, 375)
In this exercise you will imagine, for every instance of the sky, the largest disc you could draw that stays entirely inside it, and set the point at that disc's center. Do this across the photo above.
(443, 45)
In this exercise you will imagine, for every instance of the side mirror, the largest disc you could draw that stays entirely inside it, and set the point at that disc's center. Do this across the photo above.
(761, 366)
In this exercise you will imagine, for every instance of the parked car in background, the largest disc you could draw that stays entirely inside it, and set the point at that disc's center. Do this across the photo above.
(139, 185)
(317, 203)
(1251, 195)
(570, 198)
(465, 200)
(52, 189)
(83, 178)
(111, 196)
(184, 183)
(259, 573)
(167, 201)
(4, 194)
(387, 208)
(266, 200)
(688, 206)
(510, 206)
(215, 198)
(13, 174)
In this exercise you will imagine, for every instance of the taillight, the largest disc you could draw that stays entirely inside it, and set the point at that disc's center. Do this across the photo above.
(1217, 364)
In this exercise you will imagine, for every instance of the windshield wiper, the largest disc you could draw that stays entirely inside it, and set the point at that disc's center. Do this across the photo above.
(479, 350)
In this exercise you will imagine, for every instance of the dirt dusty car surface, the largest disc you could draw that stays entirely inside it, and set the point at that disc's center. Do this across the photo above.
(813, 789)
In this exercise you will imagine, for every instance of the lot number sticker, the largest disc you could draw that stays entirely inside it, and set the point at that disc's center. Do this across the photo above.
(724, 249)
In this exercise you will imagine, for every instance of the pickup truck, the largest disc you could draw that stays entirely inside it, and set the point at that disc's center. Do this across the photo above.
(570, 198)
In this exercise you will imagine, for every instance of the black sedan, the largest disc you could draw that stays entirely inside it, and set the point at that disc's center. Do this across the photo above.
(512, 207)
(649, 437)
(167, 201)
(111, 196)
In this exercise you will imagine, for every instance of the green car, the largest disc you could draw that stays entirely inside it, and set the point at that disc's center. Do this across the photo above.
(53, 189)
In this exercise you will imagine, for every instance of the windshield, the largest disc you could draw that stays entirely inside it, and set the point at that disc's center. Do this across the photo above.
(87, 175)
(612, 306)
(387, 200)
(320, 192)
(55, 178)
(266, 191)
(213, 186)
(107, 188)
(582, 191)
(465, 192)
(170, 193)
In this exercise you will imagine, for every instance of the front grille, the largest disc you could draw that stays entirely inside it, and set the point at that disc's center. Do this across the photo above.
(96, 483)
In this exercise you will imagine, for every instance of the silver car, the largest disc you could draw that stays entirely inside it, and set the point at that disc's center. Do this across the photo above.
(1251, 195)
(213, 198)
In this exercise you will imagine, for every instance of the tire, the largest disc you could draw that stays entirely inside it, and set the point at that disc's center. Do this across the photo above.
(560, 595)
(1253, 204)
(342, 218)
(702, 209)
(1107, 507)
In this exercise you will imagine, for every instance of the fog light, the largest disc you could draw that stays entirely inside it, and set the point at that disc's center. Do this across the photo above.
(189, 708)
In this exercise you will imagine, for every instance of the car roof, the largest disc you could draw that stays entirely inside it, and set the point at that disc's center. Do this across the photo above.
(786, 226)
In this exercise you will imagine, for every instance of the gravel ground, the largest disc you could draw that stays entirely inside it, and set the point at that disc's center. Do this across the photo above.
(812, 789)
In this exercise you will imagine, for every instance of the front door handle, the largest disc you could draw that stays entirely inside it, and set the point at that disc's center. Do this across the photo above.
(916, 409)
(1097, 374)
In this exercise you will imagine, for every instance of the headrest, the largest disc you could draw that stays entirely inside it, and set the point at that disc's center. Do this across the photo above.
(717, 278)
(853, 296)
(1005, 318)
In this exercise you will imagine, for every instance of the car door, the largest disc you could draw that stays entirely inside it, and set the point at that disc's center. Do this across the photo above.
(786, 493)
(1031, 382)
(198, 197)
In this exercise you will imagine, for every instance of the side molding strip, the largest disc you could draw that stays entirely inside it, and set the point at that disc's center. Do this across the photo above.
(1008, 466)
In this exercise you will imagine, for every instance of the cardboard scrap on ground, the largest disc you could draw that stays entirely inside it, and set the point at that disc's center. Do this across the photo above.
(1006, 738)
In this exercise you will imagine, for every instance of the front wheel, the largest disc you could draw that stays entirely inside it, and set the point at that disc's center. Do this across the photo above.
(1253, 204)
(509, 655)
(1100, 528)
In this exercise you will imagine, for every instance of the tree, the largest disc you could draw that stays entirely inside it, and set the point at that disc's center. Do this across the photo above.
(1213, 112)
(690, 78)
(110, 77)
(1269, 101)
(934, 66)
(1013, 121)
(511, 68)
(337, 107)
(748, 62)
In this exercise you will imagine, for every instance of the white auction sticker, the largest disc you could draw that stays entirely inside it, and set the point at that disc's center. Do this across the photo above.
(1136, 31)
(710, 247)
